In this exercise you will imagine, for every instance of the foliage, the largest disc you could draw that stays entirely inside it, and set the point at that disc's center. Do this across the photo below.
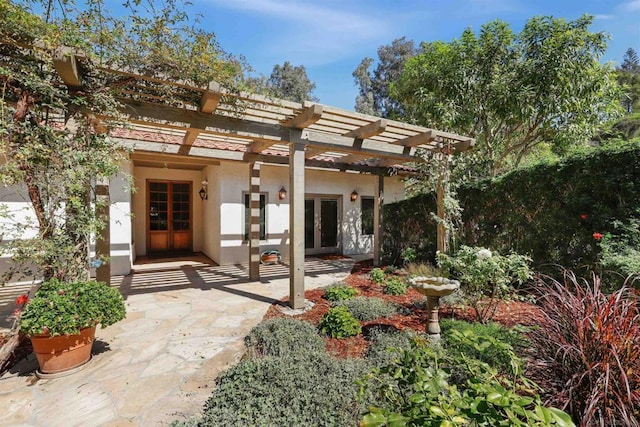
(513, 92)
(366, 309)
(339, 292)
(395, 286)
(374, 87)
(54, 139)
(292, 83)
(591, 343)
(312, 390)
(620, 256)
(338, 322)
(629, 78)
(422, 269)
(377, 275)
(538, 210)
(281, 337)
(384, 346)
(64, 308)
(415, 390)
(409, 255)
(485, 277)
(497, 348)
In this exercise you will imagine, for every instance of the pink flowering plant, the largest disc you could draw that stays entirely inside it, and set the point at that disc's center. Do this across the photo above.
(486, 277)
(64, 308)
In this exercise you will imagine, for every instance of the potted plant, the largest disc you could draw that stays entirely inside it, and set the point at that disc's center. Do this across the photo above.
(61, 320)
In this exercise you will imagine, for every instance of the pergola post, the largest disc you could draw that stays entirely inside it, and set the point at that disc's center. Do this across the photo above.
(296, 221)
(377, 220)
(103, 240)
(442, 233)
(254, 221)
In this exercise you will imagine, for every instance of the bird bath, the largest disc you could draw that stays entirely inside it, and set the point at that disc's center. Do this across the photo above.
(434, 288)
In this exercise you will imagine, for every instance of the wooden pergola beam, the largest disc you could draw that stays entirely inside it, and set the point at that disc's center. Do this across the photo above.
(312, 152)
(415, 140)
(259, 146)
(210, 98)
(65, 64)
(369, 130)
(305, 118)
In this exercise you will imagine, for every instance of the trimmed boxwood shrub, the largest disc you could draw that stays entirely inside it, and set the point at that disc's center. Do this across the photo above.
(283, 336)
(313, 390)
(366, 308)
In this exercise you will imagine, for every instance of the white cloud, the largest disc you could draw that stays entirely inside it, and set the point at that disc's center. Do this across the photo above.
(631, 6)
(603, 17)
(311, 33)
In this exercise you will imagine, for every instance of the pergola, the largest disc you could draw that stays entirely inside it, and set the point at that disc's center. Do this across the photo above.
(207, 125)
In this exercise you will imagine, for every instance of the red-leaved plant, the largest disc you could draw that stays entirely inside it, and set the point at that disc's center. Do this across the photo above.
(590, 343)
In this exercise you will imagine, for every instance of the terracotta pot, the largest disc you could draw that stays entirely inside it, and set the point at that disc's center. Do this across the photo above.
(270, 257)
(63, 352)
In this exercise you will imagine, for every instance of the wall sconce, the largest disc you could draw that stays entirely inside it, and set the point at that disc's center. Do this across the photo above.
(203, 191)
(282, 194)
(354, 196)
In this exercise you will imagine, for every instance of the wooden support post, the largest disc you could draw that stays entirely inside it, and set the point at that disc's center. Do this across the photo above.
(296, 221)
(442, 234)
(254, 221)
(103, 240)
(377, 221)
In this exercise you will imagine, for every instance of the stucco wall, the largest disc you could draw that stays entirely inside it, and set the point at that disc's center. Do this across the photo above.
(232, 179)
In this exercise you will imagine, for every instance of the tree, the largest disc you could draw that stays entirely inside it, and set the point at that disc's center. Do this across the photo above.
(292, 83)
(514, 93)
(374, 97)
(629, 78)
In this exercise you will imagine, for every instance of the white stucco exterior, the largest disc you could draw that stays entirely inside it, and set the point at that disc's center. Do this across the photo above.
(218, 223)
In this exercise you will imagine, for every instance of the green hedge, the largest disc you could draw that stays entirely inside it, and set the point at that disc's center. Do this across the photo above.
(549, 211)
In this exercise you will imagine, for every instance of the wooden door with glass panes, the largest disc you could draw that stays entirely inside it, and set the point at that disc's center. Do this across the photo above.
(169, 216)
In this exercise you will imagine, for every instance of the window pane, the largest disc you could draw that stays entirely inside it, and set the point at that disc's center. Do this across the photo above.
(247, 216)
(367, 215)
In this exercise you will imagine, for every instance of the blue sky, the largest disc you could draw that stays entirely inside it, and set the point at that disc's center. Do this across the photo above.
(331, 37)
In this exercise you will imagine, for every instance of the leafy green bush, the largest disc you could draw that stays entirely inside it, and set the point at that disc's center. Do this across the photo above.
(339, 292)
(485, 277)
(63, 308)
(591, 346)
(620, 253)
(414, 390)
(281, 337)
(536, 210)
(310, 390)
(377, 275)
(384, 346)
(395, 286)
(366, 308)
(409, 255)
(339, 323)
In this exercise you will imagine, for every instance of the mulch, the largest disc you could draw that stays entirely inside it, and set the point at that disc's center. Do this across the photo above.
(508, 313)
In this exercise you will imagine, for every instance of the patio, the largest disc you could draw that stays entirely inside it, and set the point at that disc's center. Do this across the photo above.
(186, 319)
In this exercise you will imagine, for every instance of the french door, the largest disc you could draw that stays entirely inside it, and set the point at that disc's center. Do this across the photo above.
(169, 219)
(321, 224)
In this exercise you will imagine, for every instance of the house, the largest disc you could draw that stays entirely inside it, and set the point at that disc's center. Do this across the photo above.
(233, 175)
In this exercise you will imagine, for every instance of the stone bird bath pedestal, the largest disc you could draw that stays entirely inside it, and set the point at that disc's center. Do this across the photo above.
(434, 288)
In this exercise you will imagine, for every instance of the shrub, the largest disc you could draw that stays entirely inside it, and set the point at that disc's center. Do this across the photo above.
(414, 390)
(366, 309)
(591, 343)
(409, 255)
(313, 390)
(339, 323)
(395, 286)
(281, 337)
(486, 277)
(385, 346)
(64, 308)
(422, 269)
(377, 275)
(339, 292)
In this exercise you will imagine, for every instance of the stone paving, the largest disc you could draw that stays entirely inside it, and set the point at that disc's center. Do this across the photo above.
(186, 320)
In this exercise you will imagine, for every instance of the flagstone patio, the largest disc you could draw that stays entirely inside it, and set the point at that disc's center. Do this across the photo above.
(186, 319)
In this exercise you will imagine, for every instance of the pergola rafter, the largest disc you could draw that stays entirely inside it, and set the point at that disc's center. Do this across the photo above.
(200, 126)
